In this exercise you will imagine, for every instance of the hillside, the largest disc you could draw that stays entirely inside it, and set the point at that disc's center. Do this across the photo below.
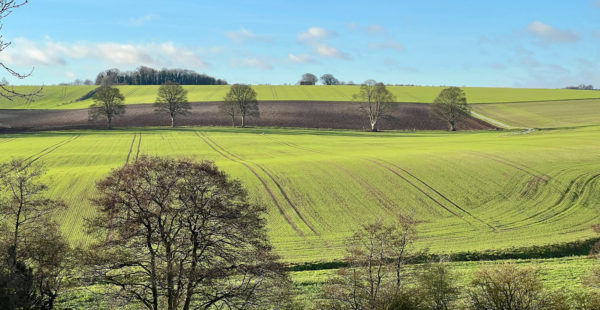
(470, 190)
(65, 97)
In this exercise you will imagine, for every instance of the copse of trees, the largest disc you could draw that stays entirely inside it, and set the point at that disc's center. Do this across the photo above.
(149, 76)
(108, 103)
(329, 79)
(240, 100)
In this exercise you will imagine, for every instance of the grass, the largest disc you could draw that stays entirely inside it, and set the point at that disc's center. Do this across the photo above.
(66, 97)
(472, 191)
(549, 114)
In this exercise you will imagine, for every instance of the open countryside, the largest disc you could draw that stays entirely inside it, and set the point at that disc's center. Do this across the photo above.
(425, 156)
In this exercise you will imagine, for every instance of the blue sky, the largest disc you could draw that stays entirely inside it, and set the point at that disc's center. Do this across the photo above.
(472, 43)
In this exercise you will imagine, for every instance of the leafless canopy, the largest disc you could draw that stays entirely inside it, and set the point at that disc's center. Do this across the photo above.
(6, 7)
(375, 101)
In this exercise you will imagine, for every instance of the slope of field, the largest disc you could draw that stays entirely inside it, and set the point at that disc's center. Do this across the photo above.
(548, 114)
(304, 114)
(471, 190)
(66, 97)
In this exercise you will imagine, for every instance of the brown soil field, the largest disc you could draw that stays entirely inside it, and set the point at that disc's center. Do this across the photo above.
(303, 114)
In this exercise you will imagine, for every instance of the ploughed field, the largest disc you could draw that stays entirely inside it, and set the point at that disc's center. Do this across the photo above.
(471, 190)
(74, 97)
(304, 114)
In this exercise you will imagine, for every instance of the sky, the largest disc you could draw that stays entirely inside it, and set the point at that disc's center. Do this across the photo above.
(548, 44)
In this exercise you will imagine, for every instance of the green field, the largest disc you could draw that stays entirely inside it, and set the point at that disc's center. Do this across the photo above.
(548, 114)
(471, 190)
(65, 97)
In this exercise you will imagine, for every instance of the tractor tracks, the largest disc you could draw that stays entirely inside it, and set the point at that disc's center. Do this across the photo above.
(35, 157)
(137, 154)
(235, 158)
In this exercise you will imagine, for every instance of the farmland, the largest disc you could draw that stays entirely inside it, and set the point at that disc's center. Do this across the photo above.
(67, 97)
(471, 190)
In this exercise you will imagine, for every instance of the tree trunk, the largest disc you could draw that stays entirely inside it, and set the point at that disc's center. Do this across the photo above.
(243, 120)
(452, 126)
(233, 121)
(172, 121)
(109, 122)
(374, 126)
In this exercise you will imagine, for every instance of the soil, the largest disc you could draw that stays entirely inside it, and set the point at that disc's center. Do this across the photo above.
(303, 114)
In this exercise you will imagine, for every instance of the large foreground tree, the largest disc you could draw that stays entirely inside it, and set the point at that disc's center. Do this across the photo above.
(240, 99)
(172, 100)
(108, 103)
(375, 101)
(451, 106)
(182, 234)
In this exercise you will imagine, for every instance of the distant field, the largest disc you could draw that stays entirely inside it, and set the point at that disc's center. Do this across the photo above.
(549, 114)
(471, 190)
(65, 97)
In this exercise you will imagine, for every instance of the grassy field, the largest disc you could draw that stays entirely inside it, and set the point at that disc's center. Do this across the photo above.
(471, 190)
(548, 114)
(65, 97)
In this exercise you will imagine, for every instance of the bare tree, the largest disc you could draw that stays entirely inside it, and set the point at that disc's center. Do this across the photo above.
(451, 106)
(182, 234)
(241, 98)
(376, 255)
(229, 107)
(437, 285)
(172, 99)
(6, 7)
(30, 238)
(329, 79)
(109, 103)
(376, 101)
(506, 286)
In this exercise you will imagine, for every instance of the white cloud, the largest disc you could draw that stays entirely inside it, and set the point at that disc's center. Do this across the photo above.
(24, 52)
(389, 44)
(329, 51)
(140, 21)
(315, 37)
(315, 33)
(550, 34)
(252, 62)
(243, 35)
(301, 58)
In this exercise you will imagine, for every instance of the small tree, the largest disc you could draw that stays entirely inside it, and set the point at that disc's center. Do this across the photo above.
(182, 234)
(308, 79)
(376, 101)
(329, 79)
(506, 286)
(229, 107)
(437, 285)
(109, 103)
(172, 99)
(241, 98)
(371, 281)
(451, 106)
